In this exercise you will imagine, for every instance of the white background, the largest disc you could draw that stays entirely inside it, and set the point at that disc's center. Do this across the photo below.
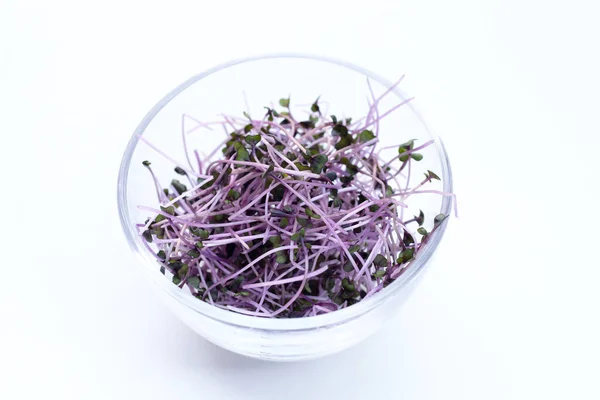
(508, 311)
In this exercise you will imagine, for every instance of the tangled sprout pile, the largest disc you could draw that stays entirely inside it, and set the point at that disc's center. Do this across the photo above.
(297, 218)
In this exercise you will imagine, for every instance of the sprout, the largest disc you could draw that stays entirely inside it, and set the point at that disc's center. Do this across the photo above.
(299, 217)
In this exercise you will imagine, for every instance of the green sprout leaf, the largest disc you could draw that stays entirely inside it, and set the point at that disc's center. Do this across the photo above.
(405, 256)
(317, 163)
(312, 214)
(282, 257)
(146, 163)
(339, 130)
(180, 171)
(283, 223)
(344, 141)
(201, 233)
(347, 285)
(422, 231)
(379, 274)
(365, 136)
(439, 219)
(169, 210)
(430, 175)
(193, 253)
(354, 249)
(348, 267)
(276, 240)
(179, 187)
(416, 156)
(315, 106)
(252, 139)
(233, 195)
(380, 260)
(194, 281)
(421, 218)
(147, 235)
(241, 152)
(284, 102)
(248, 128)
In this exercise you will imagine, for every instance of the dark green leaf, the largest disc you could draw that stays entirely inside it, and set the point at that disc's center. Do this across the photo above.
(417, 156)
(233, 195)
(283, 223)
(181, 272)
(146, 163)
(365, 136)
(317, 163)
(199, 245)
(408, 239)
(405, 256)
(334, 119)
(389, 191)
(312, 214)
(315, 106)
(354, 249)
(160, 217)
(169, 210)
(406, 146)
(339, 130)
(243, 293)
(332, 176)
(421, 218)
(248, 128)
(158, 232)
(307, 124)
(201, 233)
(439, 219)
(422, 231)
(300, 234)
(179, 187)
(380, 261)
(347, 285)
(379, 274)
(276, 240)
(193, 253)
(348, 267)
(252, 139)
(282, 257)
(219, 218)
(194, 281)
(301, 167)
(241, 152)
(430, 175)
(303, 222)
(374, 208)
(337, 202)
(147, 235)
(161, 254)
(176, 280)
(180, 171)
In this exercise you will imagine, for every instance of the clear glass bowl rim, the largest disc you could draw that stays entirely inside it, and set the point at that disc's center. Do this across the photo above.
(274, 324)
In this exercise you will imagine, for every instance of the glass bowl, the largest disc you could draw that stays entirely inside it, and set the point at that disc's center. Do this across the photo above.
(249, 84)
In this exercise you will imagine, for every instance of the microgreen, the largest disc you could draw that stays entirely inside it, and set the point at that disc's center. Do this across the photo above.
(298, 217)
